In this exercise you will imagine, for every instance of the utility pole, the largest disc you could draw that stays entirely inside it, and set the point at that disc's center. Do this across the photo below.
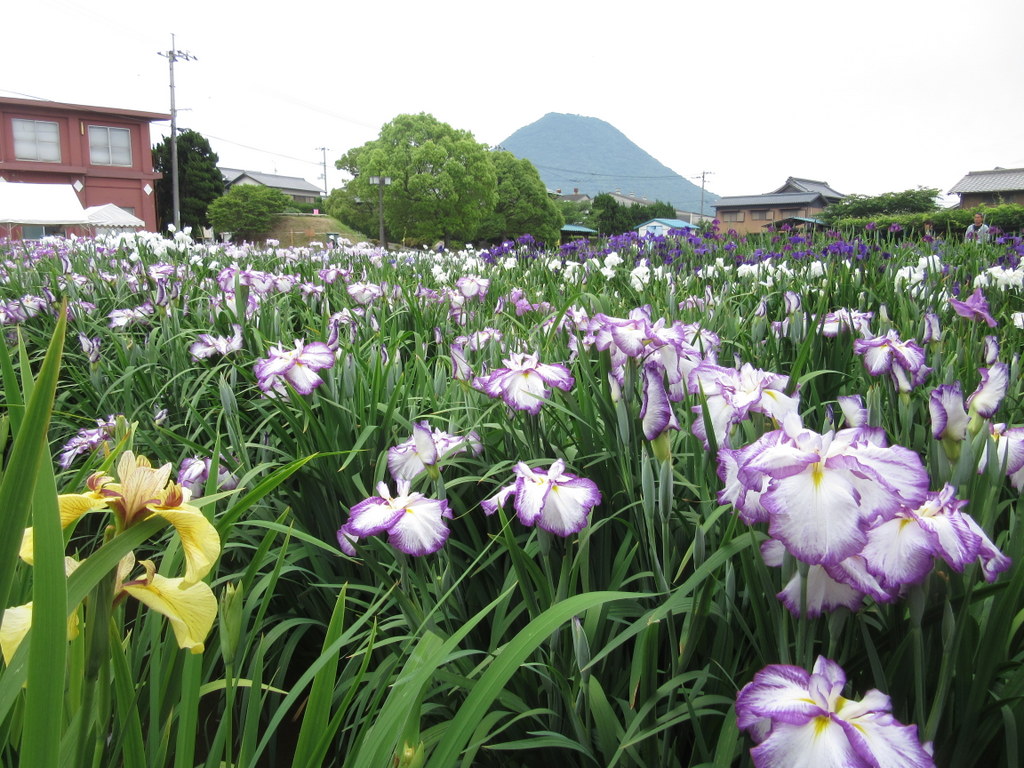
(324, 150)
(172, 56)
(703, 177)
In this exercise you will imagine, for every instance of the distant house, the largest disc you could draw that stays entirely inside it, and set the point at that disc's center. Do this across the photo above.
(797, 198)
(575, 197)
(629, 200)
(658, 227)
(576, 232)
(103, 152)
(299, 190)
(1000, 185)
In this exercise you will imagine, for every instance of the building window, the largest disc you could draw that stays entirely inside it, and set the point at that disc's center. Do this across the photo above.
(39, 231)
(732, 216)
(36, 140)
(760, 215)
(110, 146)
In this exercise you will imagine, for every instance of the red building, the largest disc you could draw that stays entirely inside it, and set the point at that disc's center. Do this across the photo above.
(104, 153)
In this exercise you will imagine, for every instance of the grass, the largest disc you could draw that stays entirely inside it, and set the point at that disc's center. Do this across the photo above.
(298, 230)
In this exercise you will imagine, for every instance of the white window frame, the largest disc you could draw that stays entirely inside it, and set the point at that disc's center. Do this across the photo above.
(27, 147)
(100, 142)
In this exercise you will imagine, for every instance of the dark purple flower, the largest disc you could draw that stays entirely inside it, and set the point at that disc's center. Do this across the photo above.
(975, 307)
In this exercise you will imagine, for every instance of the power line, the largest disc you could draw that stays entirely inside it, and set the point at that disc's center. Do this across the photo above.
(257, 149)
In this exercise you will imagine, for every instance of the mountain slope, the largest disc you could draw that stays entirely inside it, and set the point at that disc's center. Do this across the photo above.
(585, 153)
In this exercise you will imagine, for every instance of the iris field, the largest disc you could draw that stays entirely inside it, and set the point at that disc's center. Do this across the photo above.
(681, 501)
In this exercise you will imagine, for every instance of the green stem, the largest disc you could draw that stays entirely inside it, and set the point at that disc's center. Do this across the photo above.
(98, 611)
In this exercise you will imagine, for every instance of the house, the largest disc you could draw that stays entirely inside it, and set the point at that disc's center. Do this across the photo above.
(575, 197)
(629, 200)
(103, 152)
(576, 232)
(299, 190)
(802, 198)
(1000, 185)
(659, 227)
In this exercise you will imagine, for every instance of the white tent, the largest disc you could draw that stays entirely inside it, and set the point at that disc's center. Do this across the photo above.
(112, 217)
(46, 204)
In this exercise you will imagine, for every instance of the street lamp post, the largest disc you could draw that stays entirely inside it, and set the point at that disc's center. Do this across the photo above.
(381, 182)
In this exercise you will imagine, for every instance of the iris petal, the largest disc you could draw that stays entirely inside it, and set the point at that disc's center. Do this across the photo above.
(191, 609)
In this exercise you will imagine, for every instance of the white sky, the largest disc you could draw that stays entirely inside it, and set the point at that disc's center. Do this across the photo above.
(872, 96)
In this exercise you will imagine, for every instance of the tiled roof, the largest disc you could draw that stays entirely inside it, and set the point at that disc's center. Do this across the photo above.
(670, 223)
(232, 175)
(773, 200)
(997, 180)
(810, 185)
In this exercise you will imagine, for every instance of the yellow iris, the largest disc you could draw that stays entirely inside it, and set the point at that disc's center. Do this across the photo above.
(140, 493)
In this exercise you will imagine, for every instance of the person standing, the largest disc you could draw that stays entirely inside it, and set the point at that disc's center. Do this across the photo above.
(978, 231)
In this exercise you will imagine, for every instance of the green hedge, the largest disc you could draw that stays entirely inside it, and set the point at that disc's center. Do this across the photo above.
(946, 222)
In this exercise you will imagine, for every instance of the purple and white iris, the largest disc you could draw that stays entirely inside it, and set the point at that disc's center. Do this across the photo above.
(801, 720)
(425, 448)
(524, 383)
(551, 499)
(853, 508)
(822, 491)
(298, 367)
(195, 471)
(902, 360)
(208, 345)
(415, 524)
(732, 394)
(987, 398)
(87, 440)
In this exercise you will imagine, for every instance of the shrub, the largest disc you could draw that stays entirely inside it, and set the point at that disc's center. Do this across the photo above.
(247, 211)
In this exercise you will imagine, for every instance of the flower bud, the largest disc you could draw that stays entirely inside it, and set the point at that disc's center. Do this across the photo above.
(230, 619)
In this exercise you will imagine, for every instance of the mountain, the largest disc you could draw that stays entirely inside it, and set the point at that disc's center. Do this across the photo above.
(574, 152)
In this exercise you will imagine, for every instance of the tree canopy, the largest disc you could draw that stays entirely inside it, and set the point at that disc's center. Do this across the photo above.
(918, 200)
(247, 211)
(523, 205)
(612, 217)
(199, 180)
(443, 183)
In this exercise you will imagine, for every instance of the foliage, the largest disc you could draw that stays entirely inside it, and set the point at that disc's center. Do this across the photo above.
(947, 223)
(622, 645)
(247, 211)
(612, 217)
(575, 212)
(200, 181)
(443, 183)
(918, 200)
(523, 206)
(351, 210)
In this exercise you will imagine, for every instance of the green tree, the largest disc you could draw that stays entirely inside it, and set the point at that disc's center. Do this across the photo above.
(443, 182)
(574, 212)
(247, 211)
(523, 204)
(918, 200)
(351, 210)
(200, 182)
(612, 217)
